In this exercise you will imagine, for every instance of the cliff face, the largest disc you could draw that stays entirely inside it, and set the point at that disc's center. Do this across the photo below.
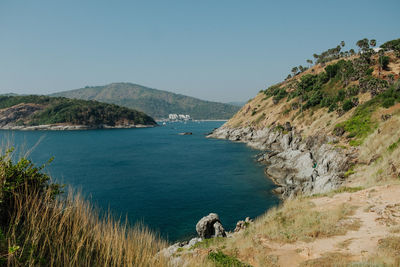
(309, 138)
(298, 166)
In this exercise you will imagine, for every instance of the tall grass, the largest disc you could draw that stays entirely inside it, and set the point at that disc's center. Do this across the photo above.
(39, 229)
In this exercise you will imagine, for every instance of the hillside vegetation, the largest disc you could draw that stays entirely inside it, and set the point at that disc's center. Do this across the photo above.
(156, 103)
(43, 110)
(353, 97)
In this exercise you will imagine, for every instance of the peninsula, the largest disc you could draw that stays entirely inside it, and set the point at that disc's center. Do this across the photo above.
(34, 112)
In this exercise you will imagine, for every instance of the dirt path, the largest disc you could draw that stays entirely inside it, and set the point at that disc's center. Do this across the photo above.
(378, 209)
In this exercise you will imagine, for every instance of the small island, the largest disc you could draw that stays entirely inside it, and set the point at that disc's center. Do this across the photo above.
(35, 112)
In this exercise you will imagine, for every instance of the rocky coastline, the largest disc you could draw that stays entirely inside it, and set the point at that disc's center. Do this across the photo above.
(297, 165)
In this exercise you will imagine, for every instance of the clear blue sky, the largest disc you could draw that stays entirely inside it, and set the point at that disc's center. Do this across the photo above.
(214, 50)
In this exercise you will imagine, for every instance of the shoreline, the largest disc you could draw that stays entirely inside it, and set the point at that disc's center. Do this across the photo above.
(58, 127)
(297, 166)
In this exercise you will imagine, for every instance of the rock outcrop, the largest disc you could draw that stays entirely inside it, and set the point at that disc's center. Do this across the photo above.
(241, 225)
(210, 226)
(297, 166)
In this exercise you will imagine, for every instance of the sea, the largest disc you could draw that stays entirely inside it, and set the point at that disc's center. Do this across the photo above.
(155, 176)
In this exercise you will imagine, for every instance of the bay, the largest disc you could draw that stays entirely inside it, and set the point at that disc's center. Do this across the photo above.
(154, 175)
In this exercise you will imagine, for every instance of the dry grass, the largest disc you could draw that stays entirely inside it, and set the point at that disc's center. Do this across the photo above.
(68, 231)
(298, 220)
(295, 220)
(333, 259)
(379, 165)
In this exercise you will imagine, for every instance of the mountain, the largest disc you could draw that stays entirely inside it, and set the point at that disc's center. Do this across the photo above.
(156, 103)
(21, 112)
(237, 103)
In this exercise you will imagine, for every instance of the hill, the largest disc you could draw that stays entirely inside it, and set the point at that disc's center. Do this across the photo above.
(21, 112)
(330, 140)
(156, 103)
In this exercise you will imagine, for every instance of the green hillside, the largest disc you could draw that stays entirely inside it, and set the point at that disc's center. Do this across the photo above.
(35, 110)
(156, 103)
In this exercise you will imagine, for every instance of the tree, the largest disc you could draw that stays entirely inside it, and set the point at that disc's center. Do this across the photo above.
(384, 62)
(294, 71)
(288, 77)
(352, 52)
(309, 61)
(363, 44)
(342, 43)
(372, 42)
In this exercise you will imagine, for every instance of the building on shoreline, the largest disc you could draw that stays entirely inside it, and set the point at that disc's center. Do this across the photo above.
(178, 117)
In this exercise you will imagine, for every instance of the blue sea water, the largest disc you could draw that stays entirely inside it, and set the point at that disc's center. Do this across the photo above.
(153, 175)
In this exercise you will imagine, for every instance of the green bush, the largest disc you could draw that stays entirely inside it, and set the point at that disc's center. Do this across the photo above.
(20, 178)
(360, 125)
(332, 70)
(347, 105)
(352, 91)
(327, 101)
(388, 102)
(314, 99)
(222, 260)
(384, 62)
(341, 95)
(369, 71)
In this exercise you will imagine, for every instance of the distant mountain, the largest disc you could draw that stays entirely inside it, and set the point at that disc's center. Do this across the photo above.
(237, 103)
(156, 103)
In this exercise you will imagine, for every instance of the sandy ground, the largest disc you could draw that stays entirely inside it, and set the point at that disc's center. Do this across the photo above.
(378, 209)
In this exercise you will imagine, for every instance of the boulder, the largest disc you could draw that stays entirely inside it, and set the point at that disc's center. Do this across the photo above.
(210, 226)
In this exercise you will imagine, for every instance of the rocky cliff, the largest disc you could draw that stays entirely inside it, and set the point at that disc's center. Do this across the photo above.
(307, 166)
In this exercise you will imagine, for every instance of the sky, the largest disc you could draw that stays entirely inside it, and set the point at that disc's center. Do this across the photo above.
(211, 49)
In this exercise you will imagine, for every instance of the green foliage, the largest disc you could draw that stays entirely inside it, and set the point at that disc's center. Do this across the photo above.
(388, 102)
(369, 71)
(373, 85)
(349, 104)
(222, 260)
(393, 146)
(360, 125)
(81, 112)
(391, 45)
(341, 95)
(21, 178)
(352, 91)
(156, 103)
(384, 62)
(332, 70)
(208, 242)
(314, 100)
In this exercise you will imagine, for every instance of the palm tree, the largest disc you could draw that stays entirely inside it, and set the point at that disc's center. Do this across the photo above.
(342, 43)
(352, 52)
(309, 61)
(372, 42)
(294, 71)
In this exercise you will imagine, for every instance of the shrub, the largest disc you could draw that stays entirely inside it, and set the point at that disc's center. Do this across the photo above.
(314, 100)
(369, 72)
(347, 105)
(388, 102)
(222, 260)
(384, 62)
(332, 70)
(352, 91)
(341, 95)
